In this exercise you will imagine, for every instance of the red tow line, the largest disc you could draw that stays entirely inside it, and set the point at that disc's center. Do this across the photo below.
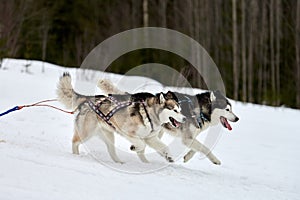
(40, 103)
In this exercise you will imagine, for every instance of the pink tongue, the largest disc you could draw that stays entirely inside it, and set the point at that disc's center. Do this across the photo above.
(227, 124)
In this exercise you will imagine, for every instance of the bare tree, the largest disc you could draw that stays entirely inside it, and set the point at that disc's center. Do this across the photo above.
(45, 30)
(264, 77)
(217, 24)
(162, 5)
(297, 46)
(272, 54)
(244, 61)
(235, 51)
(278, 37)
(251, 47)
(12, 16)
(145, 13)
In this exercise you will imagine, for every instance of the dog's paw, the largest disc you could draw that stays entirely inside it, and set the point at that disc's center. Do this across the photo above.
(169, 159)
(216, 161)
(66, 74)
(188, 156)
(119, 162)
(186, 159)
(132, 148)
(144, 160)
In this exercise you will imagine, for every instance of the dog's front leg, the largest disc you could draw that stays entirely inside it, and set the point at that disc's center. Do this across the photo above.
(155, 143)
(195, 146)
(138, 145)
(188, 155)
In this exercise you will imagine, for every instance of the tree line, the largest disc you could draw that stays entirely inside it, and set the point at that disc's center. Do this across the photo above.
(255, 44)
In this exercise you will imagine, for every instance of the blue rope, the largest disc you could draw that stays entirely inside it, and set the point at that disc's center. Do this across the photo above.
(10, 110)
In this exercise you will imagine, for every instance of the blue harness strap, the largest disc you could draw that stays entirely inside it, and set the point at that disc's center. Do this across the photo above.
(201, 119)
(10, 110)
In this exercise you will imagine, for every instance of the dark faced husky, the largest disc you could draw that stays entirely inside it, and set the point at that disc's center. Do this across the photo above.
(137, 117)
(202, 110)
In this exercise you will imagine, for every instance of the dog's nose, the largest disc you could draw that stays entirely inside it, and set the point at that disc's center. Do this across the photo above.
(236, 119)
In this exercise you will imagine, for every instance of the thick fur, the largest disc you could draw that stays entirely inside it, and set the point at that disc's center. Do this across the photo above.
(139, 122)
(66, 94)
(107, 84)
(212, 105)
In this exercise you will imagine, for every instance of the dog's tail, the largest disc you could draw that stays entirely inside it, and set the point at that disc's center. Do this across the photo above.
(66, 94)
(108, 87)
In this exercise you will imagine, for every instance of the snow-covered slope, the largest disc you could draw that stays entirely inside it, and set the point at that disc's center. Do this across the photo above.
(260, 157)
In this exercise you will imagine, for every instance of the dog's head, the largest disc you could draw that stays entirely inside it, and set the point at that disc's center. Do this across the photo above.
(170, 110)
(221, 110)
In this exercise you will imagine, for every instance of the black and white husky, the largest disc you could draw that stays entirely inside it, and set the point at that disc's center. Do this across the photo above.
(202, 110)
(137, 117)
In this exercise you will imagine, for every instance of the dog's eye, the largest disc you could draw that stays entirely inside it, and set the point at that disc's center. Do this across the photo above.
(176, 111)
(170, 108)
(227, 109)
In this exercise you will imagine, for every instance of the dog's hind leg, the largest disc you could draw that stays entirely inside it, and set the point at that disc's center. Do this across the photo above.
(109, 140)
(81, 134)
(155, 143)
(78, 138)
(76, 141)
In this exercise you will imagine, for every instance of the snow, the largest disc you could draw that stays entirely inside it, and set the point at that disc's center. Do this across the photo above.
(260, 156)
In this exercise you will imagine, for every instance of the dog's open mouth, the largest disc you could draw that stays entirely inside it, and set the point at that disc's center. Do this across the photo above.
(225, 123)
(174, 122)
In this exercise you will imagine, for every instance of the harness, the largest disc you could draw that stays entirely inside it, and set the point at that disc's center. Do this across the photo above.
(118, 106)
(200, 119)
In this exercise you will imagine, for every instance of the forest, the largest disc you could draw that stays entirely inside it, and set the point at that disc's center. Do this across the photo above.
(254, 43)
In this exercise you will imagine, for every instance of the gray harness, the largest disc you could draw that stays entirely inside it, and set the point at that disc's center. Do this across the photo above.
(199, 119)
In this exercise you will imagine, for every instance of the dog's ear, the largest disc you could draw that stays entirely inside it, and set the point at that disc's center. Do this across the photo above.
(161, 98)
(218, 93)
(169, 95)
(212, 96)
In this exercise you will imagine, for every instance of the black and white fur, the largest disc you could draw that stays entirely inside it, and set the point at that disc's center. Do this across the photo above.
(139, 122)
(214, 108)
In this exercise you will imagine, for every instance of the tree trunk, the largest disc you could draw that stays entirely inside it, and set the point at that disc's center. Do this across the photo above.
(244, 63)
(252, 36)
(264, 53)
(145, 13)
(45, 31)
(162, 5)
(208, 25)
(272, 57)
(278, 36)
(133, 14)
(297, 46)
(235, 52)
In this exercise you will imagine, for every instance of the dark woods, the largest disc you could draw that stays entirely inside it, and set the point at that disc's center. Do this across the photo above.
(255, 44)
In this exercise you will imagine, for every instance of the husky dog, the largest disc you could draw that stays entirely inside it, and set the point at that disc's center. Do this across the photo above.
(201, 110)
(137, 117)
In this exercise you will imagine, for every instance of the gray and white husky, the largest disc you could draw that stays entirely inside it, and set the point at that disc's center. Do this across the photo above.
(202, 110)
(137, 117)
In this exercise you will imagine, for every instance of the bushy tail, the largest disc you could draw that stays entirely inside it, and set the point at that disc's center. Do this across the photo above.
(108, 87)
(66, 94)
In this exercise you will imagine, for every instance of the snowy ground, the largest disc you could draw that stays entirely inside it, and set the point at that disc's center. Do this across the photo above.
(260, 156)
